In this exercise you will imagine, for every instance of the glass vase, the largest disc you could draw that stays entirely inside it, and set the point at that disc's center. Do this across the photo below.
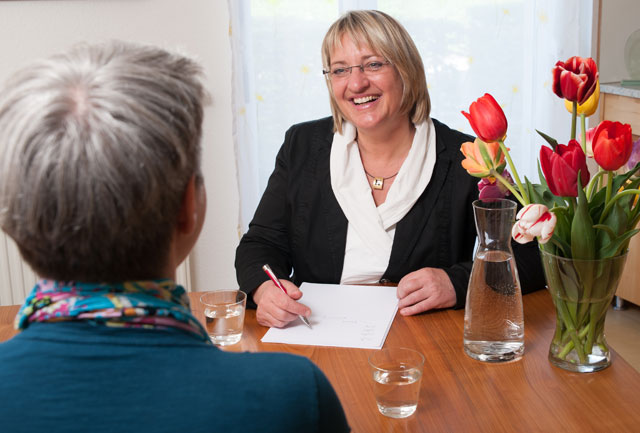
(493, 317)
(582, 291)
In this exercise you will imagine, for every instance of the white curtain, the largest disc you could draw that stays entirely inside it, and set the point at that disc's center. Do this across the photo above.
(469, 47)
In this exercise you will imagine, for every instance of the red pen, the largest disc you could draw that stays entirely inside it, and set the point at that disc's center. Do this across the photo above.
(278, 284)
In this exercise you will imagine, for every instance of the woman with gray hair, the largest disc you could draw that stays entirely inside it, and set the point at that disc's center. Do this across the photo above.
(374, 194)
(101, 188)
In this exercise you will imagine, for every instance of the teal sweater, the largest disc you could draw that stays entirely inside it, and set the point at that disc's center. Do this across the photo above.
(79, 377)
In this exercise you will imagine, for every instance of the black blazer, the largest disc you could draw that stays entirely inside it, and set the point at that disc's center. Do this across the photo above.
(299, 226)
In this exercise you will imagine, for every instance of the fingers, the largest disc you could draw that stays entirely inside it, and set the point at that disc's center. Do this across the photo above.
(285, 303)
(276, 308)
(273, 318)
(415, 297)
(423, 290)
(419, 307)
(292, 290)
(408, 284)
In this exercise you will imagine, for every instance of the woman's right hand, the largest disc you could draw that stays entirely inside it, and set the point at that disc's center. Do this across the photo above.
(276, 308)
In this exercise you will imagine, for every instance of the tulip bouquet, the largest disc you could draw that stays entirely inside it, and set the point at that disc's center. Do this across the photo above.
(583, 222)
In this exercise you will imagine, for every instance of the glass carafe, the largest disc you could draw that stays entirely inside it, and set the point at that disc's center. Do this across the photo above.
(493, 317)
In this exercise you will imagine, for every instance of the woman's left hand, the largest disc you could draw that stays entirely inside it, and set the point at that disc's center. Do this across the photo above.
(423, 290)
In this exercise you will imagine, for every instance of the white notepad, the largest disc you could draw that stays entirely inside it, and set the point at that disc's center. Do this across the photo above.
(341, 316)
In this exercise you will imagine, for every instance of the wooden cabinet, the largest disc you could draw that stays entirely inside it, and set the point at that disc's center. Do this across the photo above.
(623, 104)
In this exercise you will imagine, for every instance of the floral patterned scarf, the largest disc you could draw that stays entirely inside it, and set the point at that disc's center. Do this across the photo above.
(137, 304)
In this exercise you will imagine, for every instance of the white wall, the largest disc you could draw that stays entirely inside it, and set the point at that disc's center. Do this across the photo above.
(33, 29)
(619, 19)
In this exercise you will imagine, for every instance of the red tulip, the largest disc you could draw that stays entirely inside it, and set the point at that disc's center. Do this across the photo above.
(612, 144)
(560, 168)
(575, 79)
(487, 119)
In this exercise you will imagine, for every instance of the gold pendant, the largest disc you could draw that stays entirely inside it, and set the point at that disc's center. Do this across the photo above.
(378, 183)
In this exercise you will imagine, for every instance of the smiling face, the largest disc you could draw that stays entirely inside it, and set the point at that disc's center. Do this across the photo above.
(371, 102)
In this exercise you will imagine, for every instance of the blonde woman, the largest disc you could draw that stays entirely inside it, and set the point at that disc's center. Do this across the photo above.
(373, 194)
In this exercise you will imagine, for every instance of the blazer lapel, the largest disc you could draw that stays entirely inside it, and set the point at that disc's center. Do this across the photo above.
(335, 220)
(414, 222)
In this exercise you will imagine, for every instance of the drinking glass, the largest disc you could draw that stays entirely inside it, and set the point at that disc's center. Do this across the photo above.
(224, 315)
(396, 373)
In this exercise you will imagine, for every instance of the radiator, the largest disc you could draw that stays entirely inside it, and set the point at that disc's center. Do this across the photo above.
(17, 278)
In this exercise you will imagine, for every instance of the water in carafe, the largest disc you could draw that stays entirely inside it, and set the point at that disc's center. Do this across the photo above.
(493, 319)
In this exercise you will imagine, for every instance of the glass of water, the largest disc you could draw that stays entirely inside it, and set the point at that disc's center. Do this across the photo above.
(397, 373)
(224, 315)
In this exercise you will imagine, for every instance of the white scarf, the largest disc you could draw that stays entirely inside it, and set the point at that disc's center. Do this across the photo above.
(352, 190)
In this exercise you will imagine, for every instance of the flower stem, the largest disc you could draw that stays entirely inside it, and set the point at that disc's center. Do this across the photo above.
(584, 133)
(569, 346)
(558, 246)
(588, 345)
(565, 350)
(571, 330)
(574, 115)
(612, 201)
(583, 332)
(524, 200)
(593, 183)
(573, 204)
(510, 187)
(609, 187)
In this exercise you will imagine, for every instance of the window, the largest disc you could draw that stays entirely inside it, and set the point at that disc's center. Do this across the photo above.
(469, 47)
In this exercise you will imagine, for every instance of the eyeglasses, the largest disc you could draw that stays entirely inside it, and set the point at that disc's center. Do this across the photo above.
(370, 68)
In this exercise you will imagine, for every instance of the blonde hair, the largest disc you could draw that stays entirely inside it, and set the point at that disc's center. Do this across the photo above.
(389, 38)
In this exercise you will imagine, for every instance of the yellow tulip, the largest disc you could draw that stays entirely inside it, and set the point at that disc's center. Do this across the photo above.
(590, 105)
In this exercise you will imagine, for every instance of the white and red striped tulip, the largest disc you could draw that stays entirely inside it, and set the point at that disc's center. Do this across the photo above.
(534, 220)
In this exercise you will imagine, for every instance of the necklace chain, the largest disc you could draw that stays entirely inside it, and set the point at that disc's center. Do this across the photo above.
(378, 182)
(377, 177)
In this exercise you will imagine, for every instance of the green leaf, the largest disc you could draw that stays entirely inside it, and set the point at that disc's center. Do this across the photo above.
(550, 140)
(563, 245)
(562, 232)
(533, 194)
(570, 284)
(546, 198)
(634, 169)
(615, 223)
(488, 161)
(614, 248)
(607, 230)
(621, 179)
(618, 182)
(617, 218)
(583, 240)
(634, 183)
(543, 181)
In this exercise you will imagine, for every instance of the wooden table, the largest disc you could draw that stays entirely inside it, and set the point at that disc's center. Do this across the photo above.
(459, 394)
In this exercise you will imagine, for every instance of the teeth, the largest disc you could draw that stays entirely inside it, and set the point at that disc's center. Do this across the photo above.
(364, 99)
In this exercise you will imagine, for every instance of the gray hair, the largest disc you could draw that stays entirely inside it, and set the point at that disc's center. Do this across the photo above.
(97, 146)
